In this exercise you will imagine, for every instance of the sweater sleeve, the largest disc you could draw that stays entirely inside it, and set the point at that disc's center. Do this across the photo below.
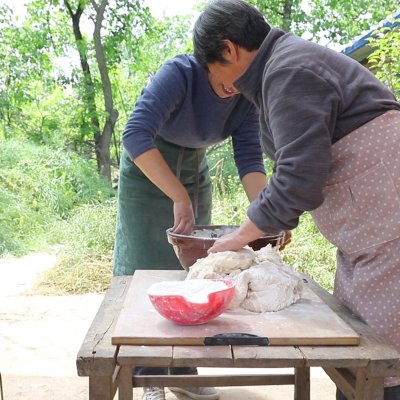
(157, 102)
(246, 144)
(301, 109)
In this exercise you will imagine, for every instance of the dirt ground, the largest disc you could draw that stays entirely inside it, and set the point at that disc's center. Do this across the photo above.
(41, 335)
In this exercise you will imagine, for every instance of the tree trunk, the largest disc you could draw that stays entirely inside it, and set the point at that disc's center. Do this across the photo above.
(287, 15)
(104, 143)
(89, 97)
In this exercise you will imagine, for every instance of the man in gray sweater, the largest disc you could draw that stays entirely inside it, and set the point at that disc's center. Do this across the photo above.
(333, 130)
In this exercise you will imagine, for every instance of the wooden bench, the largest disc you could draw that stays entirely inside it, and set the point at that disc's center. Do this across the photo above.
(110, 367)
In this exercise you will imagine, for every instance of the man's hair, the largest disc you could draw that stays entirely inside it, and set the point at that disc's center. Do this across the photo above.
(233, 20)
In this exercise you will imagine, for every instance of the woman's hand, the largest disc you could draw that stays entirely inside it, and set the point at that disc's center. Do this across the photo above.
(231, 241)
(183, 217)
(153, 165)
(247, 232)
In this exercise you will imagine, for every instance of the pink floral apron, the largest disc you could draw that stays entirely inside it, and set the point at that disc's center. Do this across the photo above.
(361, 216)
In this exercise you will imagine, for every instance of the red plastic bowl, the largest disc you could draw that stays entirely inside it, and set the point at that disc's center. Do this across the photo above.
(193, 309)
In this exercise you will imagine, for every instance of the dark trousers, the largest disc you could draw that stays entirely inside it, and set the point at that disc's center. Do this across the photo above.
(391, 393)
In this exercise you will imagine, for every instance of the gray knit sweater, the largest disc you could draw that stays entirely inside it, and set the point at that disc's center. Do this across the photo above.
(309, 97)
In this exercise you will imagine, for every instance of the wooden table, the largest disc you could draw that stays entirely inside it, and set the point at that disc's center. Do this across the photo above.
(110, 367)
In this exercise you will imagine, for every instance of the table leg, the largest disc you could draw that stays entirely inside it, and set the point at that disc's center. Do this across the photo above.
(101, 388)
(125, 391)
(302, 383)
(368, 387)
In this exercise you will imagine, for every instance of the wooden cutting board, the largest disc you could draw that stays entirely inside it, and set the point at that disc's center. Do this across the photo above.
(308, 322)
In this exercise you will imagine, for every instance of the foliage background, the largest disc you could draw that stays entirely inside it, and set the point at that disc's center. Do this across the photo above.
(52, 190)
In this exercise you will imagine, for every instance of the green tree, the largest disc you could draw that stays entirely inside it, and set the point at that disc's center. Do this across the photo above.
(24, 58)
(328, 21)
(121, 36)
(385, 59)
(119, 17)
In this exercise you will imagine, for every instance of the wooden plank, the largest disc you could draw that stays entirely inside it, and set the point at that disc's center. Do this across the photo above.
(212, 380)
(267, 357)
(145, 356)
(179, 356)
(308, 322)
(202, 356)
(97, 356)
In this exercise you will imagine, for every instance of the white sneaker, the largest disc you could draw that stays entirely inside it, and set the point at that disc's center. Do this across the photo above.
(197, 393)
(153, 393)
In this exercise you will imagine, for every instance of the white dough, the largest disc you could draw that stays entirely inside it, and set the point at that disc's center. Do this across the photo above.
(217, 265)
(271, 288)
(263, 282)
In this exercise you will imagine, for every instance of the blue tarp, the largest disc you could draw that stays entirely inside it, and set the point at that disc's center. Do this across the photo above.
(359, 49)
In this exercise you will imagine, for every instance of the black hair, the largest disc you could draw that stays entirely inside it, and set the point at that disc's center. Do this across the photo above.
(233, 20)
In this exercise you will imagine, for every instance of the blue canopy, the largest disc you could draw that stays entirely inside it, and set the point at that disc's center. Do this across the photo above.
(360, 48)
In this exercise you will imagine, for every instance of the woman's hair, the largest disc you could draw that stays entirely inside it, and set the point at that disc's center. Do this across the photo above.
(233, 20)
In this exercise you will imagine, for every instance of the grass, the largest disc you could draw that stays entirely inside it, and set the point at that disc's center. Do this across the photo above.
(311, 253)
(85, 264)
(63, 201)
(40, 187)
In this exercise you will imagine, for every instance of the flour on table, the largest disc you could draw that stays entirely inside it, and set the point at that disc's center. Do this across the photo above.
(263, 282)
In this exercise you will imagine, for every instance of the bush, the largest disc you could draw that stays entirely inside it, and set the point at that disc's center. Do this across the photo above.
(384, 61)
(39, 186)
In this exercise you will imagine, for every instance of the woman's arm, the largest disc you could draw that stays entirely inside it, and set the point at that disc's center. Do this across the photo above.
(253, 183)
(156, 169)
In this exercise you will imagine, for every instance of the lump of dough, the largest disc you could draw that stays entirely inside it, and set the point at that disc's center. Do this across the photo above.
(241, 288)
(271, 288)
(263, 283)
(268, 253)
(218, 265)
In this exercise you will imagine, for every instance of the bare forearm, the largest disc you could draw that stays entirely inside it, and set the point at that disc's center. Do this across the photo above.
(253, 183)
(153, 165)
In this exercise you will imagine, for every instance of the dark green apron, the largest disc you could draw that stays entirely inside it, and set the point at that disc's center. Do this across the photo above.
(145, 212)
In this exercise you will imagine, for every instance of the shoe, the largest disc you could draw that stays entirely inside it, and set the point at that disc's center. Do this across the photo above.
(153, 393)
(198, 393)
